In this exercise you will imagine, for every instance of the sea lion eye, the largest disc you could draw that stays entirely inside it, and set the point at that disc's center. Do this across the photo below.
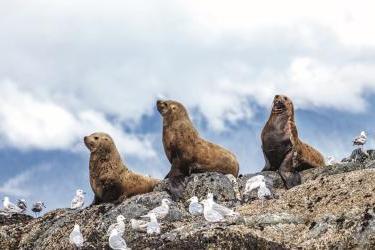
(173, 107)
(96, 138)
(285, 98)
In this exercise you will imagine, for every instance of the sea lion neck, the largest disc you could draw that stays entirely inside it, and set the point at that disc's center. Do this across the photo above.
(287, 113)
(180, 124)
(104, 155)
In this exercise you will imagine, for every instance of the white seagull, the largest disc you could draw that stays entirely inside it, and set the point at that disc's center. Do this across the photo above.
(195, 208)
(22, 204)
(116, 241)
(161, 211)
(360, 140)
(254, 183)
(38, 207)
(209, 213)
(10, 207)
(331, 160)
(119, 225)
(153, 226)
(138, 225)
(75, 237)
(79, 199)
(220, 208)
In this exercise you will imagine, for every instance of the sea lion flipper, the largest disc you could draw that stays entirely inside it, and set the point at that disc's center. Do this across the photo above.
(176, 182)
(288, 173)
(308, 164)
(177, 187)
(167, 176)
(96, 201)
(267, 166)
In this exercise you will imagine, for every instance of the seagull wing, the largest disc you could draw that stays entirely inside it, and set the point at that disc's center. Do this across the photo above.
(117, 242)
(223, 210)
(213, 215)
(13, 208)
(75, 203)
(160, 212)
(76, 238)
(112, 227)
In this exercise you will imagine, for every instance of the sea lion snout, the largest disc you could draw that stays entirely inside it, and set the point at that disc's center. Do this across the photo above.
(280, 102)
(162, 106)
(89, 142)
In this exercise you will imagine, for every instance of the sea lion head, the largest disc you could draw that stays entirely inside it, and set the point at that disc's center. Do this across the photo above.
(281, 104)
(171, 110)
(98, 141)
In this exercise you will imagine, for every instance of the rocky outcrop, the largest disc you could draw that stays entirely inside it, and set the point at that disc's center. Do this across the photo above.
(334, 207)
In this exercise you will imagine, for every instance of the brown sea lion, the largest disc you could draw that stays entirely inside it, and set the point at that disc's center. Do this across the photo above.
(110, 179)
(186, 151)
(283, 150)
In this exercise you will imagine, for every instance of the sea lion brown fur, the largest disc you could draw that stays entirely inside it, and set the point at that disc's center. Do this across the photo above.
(110, 179)
(283, 150)
(186, 151)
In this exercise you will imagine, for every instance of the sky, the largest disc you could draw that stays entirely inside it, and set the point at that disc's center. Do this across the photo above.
(71, 68)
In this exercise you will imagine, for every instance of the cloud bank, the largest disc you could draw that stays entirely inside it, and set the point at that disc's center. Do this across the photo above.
(29, 123)
(79, 63)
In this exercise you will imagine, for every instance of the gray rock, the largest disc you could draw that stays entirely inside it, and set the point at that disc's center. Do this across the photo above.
(200, 184)
(312, 174)
(332, 208)
(269, 219)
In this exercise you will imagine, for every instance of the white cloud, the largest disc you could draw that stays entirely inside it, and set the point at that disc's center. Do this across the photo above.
(115, 58)
(17, 185)
(31, 123)
(313, 83)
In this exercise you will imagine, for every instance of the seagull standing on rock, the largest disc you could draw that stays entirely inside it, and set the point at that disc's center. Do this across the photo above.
(10, 207)
(138, 225)
(214, 212)
(76, 237)
(116, 241)
(209, 213)
(331, 160)
(195, 208)
(219, 208)
(161, 211)
(22, 205)
(78, 200)
(258, 182)
(360, 140)
(38, 207)
(119, 225)
(153, 226)
(254, 183)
